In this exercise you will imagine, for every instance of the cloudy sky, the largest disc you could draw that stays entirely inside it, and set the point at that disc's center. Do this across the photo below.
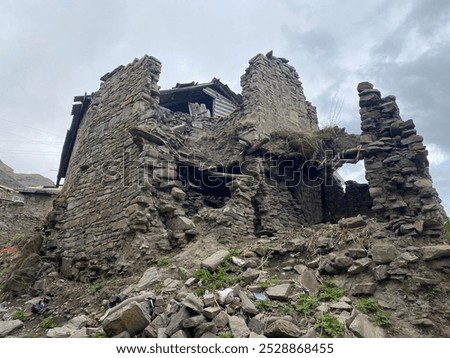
(53, 50)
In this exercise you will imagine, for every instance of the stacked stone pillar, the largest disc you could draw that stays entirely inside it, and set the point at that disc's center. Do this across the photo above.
(397, 167)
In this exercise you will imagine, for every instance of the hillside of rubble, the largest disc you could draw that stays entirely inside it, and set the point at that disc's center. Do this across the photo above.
(352, 279)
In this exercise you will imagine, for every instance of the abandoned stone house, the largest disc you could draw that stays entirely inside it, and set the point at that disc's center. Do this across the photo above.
(146, 170)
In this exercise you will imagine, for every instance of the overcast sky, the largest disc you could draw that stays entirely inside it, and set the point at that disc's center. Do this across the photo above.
(51, 51)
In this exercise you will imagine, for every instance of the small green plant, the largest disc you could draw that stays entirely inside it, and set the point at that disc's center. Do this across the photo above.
(306, 304)
(286, 310)
(2, 286)
(263, 305)
(377, 315)
(430, 293)
(367, 305)
(225, 335)
(97, 335)
(95, 288)
(158, 286)
(329, 326)
(200, 291)
(233, 252)
(163, 262)
(223, 277)
(382, 319)
(20, 315)
(333, 294)
(47, 323)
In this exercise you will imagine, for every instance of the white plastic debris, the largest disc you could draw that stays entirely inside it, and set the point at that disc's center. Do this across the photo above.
(238, 262)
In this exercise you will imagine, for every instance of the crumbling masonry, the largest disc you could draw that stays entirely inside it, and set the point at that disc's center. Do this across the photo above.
(141, 179)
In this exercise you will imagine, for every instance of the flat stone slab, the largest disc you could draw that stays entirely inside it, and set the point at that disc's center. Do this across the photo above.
(212, 262)
(435, 252)
(247, 305)
(279, 292)
(8, 327)
(383, 253)
(283, 329)
(363, 328)
(309, 281)
(193, 302)
(238, 327)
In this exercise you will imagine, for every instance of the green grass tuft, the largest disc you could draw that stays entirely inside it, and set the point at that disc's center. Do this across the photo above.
(223, 277)
(264, 305)
(163, 262)
(306, 304)
(367, 305)
(20, 315)
(47, 323)
(329, 326)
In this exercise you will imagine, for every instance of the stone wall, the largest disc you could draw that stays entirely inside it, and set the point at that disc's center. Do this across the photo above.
(273, 98)
(338, 204)
(397, 167)
(103, 208)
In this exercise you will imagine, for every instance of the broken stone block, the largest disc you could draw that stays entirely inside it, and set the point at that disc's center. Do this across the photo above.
(364, 289)
(179, 334)
(130, 318)
(178, 194)
(435, 252)
(176, 321)
(353, 222)
(211, 312)
(149, 277)
(59, 332)
(357, 253)
(209, 300)
(8, 327)
(193, 302)
(256, 325)
(208, 335)
(204, 328)
(212, 262)
(80, 333)
(221, 319)
(279, 292)
(238, 327)
(363, 328)
(180, 223)
(359, 266)
(78, 322)
(194, 321)
(341, 306)
(309, 281)
(255, 335)
(383, 253)
(423, 322)
(380, 273)
(247, 305)
(343, 261)
(249, 275)
(282, 329)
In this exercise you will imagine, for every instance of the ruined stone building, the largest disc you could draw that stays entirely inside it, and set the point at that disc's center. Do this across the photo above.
(147, 170)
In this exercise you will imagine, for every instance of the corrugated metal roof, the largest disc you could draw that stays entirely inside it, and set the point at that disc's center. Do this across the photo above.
(221, 106)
